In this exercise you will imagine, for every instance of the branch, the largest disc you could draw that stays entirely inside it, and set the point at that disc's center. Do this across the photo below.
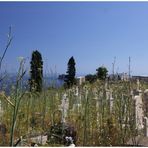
(7, 99)
(6, 48)
(1, 79)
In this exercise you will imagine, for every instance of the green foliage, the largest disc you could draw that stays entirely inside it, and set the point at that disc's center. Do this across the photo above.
(102, 73)
(59, 131)
(95, 123)
(36, 72)
(90, 78)
(71, 72)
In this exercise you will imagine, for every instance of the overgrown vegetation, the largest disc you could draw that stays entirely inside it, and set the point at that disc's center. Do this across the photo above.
(95, 121)
(100, 113)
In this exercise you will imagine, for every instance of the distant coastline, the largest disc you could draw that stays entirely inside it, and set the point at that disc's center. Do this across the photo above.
(10, 81)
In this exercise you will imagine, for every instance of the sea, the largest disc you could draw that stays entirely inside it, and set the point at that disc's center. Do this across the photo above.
(9, 82)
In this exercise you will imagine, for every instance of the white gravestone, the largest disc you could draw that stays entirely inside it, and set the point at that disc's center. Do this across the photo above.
(145, 126)
(64, 107)
(139, 110)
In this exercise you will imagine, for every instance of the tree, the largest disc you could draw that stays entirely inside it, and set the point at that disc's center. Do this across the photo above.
(36, 72)
(90, 78)
(102, 73)
(71, 71)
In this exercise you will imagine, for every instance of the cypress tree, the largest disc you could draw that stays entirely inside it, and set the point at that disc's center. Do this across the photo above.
(36, 71)
(71, 72)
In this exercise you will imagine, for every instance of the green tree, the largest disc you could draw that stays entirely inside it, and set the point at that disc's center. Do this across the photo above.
(71, 72)
(102, 73)
(90, 78)
(36, 72)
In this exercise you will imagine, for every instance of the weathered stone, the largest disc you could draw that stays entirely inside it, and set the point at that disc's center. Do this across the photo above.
(145, 126)
(138, 105)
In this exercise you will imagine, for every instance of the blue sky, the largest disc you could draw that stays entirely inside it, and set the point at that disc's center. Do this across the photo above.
(93, 32)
